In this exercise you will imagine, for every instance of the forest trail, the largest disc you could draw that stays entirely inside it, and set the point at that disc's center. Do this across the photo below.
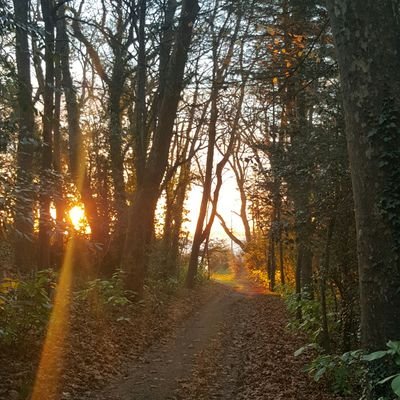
(234, 347)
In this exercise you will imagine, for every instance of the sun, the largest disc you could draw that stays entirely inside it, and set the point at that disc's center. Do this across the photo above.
(76, 215)
(78, 219)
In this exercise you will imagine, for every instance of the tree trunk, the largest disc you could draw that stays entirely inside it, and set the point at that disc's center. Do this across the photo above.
(116, 86)
(141, 140)
(271, 262)
(280, 244)
(367, 41)
(23, 219)
(77, 153)
(198, 234)
(45, 225)
(57, 252)
(184, 179)
(219, 75)
(325, 337)
(144, 203)
(299, 261)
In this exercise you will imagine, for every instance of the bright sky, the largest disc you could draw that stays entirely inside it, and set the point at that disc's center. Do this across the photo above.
(228, 206)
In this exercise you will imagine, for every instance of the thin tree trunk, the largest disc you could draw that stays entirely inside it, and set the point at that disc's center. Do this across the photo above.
(198, 235)
(184, 179)
(325, 337)
(271, 263)
(116, 86)
(298, 283)
(280, 244)
(219, 75)
(45, 225)
(57, 153)
(77, 153)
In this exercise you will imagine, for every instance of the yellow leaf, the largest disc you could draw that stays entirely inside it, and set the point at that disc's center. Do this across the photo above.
(275, 80)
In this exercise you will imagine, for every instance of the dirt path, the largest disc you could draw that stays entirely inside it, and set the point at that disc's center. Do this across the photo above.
(158, 372)
(234, 347)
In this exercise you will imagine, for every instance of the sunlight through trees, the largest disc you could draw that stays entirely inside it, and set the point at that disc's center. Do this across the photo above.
(145, 145)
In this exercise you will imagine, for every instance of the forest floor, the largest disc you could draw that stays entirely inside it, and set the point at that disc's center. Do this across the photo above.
(226, 340)
(234, 347)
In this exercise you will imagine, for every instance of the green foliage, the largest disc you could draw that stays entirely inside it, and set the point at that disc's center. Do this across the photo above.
(384, 362)
(25, 307)
(310, 322)
(343, 372)
(218, 255)
(107, 294)
(203, 275)
(384, 136)
(346, 373)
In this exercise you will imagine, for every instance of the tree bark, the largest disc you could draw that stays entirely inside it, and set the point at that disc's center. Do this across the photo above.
(59, 201)
(271, 262)
(115, 84)
(23, 219)
(325, 266)
(45, 225)
(368, 47)
(143, 206)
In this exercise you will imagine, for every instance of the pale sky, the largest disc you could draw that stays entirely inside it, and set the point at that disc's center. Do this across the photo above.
(228, 206)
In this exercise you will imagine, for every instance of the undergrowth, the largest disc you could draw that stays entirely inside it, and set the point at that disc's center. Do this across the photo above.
(25, 306)
(354, 373)
(26, 303)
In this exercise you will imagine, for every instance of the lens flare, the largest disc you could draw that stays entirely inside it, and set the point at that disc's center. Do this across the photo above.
(51, 360)
(50, 369)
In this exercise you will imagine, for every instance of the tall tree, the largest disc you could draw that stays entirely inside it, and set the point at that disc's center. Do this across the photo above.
(368, 48)
(147, 191)
(118, 38)
(77, 153)
(221, 64)
(367, 40)
(23, 221)
(48, 12)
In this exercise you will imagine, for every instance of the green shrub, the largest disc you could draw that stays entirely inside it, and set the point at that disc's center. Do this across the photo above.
(342, 372)
(310, 322)
(25, 307)
(106, 294)
(384, 368)
(355, 371)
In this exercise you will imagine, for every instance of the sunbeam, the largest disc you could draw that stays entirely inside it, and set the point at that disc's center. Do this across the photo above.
(51, 360)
